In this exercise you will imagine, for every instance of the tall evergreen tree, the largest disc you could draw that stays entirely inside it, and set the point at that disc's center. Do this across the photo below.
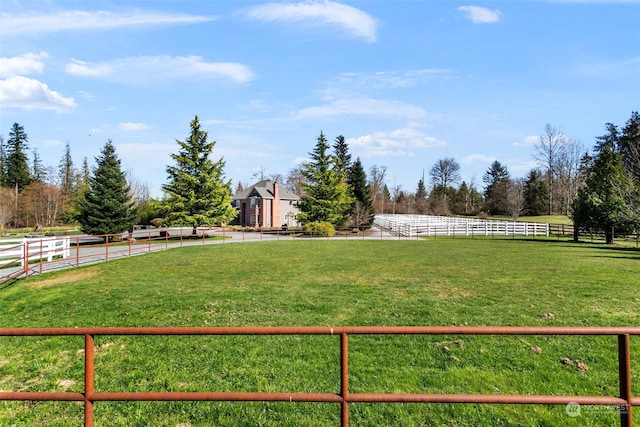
(85, 175)
(496, 180)
(16, 163)
(67, 173)
(197, 193)
(609, 200)
(342, 156)
(3, 162)
(466, 199)
(106, 207)
(362, 212)
(38, 171)
(535, 193)
(421, 198)
(629, 144)
(325, 196)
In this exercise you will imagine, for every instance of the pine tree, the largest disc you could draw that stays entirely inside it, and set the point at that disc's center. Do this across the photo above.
(535, 193)
(71, 185)
(342, 156)
(421, 198)
(325, 196)
(67, 172)
(362, 212)
(609, 200)
(496, 179)
(38, 172)
(197, 193)
(3, 163)
(106, 206)
(630, 146)
(16, 162)
(85, 175)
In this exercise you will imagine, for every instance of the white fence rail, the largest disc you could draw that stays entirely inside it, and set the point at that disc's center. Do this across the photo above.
(24, 250)
(427, 226)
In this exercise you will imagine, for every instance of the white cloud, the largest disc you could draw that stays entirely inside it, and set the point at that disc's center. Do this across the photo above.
(300, 160)
(132, 127)
(396, 143)
(520, 167)
(474, 159)
(527, 141)
(481, 15)
(257, 105)
(29, 94)
(29, 63)
(364, 106)
(149, 69)
(72, 20)
(84, 69)
(354, 22)
(87, 95)
(388, 79)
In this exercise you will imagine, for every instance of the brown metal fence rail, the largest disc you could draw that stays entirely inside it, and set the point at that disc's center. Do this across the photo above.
(624, 401)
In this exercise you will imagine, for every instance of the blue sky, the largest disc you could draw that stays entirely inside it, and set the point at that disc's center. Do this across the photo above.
(406, 82)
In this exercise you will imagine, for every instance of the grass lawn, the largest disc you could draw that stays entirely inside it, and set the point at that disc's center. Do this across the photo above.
(328, 282)
(551, 219)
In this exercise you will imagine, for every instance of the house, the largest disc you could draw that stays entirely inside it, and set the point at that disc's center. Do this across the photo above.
(266, 204)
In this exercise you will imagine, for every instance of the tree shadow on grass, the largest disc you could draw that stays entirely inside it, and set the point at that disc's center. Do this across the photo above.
(633, 252)
(8, 283)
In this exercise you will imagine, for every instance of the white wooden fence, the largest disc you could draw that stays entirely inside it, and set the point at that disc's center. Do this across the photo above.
(13, 251)
(427, 225)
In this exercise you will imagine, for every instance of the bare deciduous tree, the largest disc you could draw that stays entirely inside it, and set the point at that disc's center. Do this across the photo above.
(41, 203)
(444, 174)
(7, 206)
(295, 180)
(139, 190)
(515, 199)
(547, 151)
(376, 185)
(568, 174)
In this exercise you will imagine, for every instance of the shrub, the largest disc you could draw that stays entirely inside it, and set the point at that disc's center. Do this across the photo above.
(321, 228)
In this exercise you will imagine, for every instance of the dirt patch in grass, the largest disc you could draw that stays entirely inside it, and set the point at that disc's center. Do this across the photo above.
(65, 383)
(70, 277)
(448, 292)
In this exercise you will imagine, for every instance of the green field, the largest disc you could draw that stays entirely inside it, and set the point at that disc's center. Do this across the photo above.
(328, 282)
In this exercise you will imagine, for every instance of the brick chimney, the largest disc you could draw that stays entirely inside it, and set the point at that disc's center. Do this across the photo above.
(276, 221)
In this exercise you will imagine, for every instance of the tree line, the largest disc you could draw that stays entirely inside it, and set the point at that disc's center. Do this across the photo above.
(598, 189)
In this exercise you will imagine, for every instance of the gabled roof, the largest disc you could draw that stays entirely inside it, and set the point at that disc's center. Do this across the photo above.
(264, 190)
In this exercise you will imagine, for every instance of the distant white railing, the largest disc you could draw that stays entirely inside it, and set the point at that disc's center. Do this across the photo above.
(22, 251)
(427, 226)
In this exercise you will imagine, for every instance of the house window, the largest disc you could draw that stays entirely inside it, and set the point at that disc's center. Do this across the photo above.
(253, 202)
(252, 220)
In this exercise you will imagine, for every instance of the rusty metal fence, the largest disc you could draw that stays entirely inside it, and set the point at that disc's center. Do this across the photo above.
(85, 249)
(625, 401)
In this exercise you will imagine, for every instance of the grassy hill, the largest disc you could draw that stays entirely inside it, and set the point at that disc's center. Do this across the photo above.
(325, 282)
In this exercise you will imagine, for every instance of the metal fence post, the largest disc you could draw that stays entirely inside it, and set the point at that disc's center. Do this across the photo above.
(88, 379)
(344, 379)
(624, 371)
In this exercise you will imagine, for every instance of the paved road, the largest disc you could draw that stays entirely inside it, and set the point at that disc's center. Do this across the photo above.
(87, 249)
